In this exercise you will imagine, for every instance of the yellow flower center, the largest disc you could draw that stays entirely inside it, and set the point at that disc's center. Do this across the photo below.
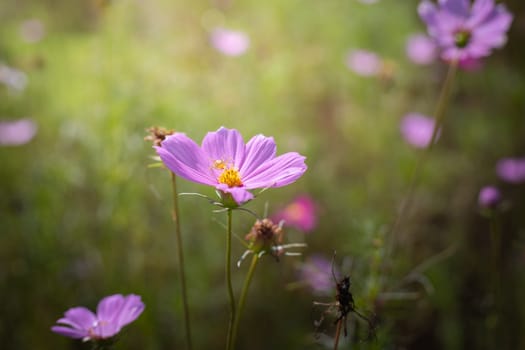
(219, 164)
(230, 177)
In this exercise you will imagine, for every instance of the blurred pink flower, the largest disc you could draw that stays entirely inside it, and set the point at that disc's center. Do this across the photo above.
(368, 1)
(489, 197)
(17, 132)
(466, 29)
(421, 49)
(13, 78)
(32, 30)
(300, 213)
(229, 42)
(113, 313)
(363, 62)
(316, 272)
(511, 170)
(417, 129)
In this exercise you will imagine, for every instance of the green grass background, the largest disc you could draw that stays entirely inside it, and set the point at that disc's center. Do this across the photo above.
(82, 216)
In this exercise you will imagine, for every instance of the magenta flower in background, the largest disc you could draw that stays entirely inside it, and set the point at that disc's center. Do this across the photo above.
(417, 129)
(316, 272)
(421, 49)
(364, 63)
(113, 313)
(225, 162)
(464, 30)
(511, 170)
(489, 197)
(230, 42)
(300, 213)
(17, 132)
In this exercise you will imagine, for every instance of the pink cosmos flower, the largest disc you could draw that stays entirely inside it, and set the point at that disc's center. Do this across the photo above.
(230, 42)
(417, 129)
(113, 313)
(225, 162)
(489, 197)
(17, 132)
(511, 170)
(316, 272)
(466, 30)
(364, 63)
(300, 213)
(421, 49)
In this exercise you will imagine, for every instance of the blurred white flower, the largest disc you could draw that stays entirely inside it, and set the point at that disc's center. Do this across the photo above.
(32, 30)
(13, 78)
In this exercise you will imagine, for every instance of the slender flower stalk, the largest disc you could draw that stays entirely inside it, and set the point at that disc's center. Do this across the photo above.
(264, 238)
(231, 297)
(439, 116)
(338, 333)
(157, 135)
(443, 101)
(493, 319)
(242, 298)
(495, 233)
(180, 253)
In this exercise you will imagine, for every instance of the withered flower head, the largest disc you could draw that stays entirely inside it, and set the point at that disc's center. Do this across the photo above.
(158, 134)
(264, 235)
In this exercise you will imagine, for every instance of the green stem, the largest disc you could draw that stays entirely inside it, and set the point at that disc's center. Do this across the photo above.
(496, 248)
(229, 280)
(442, 103)
(97, 345)
(494, 324)
(439, 116)
(176, 220)
(242, 299)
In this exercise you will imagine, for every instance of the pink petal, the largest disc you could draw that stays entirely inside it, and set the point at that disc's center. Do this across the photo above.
(278, 172)
(225, 145)
(78, 317)
(131, 309)
(259, 150)
(70, 332)
(186, 159)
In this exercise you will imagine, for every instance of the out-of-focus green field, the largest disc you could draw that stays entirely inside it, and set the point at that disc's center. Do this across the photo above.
(82, 216)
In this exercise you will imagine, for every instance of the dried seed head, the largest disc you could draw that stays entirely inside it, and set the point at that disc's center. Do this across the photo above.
(264, 236)
(265, 230)
(158, 134)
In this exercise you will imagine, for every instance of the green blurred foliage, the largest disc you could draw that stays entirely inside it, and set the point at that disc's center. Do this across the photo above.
(84, 217)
